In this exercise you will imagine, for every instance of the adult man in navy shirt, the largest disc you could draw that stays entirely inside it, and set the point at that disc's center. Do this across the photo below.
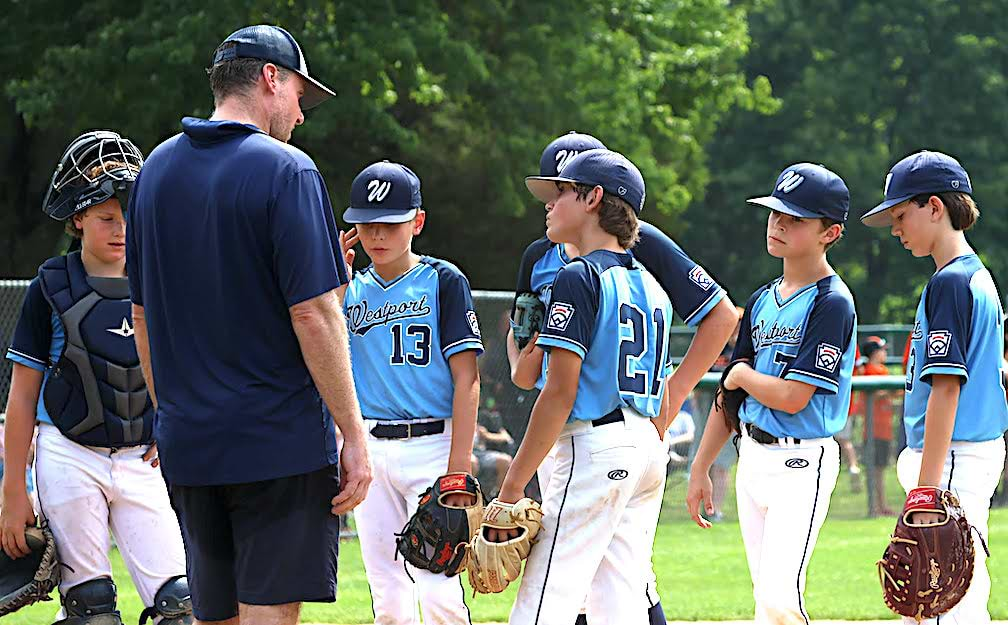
(233, 261)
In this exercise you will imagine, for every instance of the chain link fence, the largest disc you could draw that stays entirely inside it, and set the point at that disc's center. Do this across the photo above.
(875, 435)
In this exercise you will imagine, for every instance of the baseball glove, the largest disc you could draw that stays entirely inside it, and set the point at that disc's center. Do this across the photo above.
(926, 569)
(730, 402)
(31, 578)
(436, 536)
(492, 566)
(528, 318)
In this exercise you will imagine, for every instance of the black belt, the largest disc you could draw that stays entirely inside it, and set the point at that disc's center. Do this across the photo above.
(407, 430)
(613, 417)
(763, 437)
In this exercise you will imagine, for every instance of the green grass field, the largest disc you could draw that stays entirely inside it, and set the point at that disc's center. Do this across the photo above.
(701, 575)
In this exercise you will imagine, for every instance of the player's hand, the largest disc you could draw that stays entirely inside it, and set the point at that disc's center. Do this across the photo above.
(699, 492)
(151, 456)
(530, 347)
(731, 380)
(355, 473)
(15, 515)
(459, 500)
(348, 240)
(925, 518)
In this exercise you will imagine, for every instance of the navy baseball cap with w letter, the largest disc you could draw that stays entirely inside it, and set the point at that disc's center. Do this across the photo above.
(383, 193)
(276, 45)
(562, 149)
(610, 170)
(809, 191)
(917, 174)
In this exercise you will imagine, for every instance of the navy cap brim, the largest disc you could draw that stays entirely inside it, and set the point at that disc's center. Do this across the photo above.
(781, 206)
(315, 93)
(544, 187)
(880, 217)
(378, 215)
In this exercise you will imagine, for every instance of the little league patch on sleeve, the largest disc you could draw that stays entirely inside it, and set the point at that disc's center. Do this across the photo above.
(700, 278)
(938, 343)
(828, 357)
(559, 316)
(473, 323)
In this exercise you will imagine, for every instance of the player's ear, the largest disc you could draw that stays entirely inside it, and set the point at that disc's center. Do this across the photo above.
(594, 199)
(937, 208)
(419, 220)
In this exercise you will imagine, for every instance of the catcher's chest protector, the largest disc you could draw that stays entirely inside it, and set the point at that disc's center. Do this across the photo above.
(95, 393)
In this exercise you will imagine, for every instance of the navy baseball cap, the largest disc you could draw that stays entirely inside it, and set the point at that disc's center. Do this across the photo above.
(923, 172)
(810, 191)
(562, 149)
(384, 192)
(610, 170)
(276, 45)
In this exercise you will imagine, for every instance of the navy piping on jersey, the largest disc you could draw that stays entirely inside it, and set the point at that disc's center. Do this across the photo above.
(27, 357)
(385, 286)
(793, 296)
(951, 470)
(808, 538)
(716, 293)
(556, 533)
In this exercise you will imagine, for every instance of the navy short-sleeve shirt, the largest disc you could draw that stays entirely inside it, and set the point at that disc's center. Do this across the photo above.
(226, 229)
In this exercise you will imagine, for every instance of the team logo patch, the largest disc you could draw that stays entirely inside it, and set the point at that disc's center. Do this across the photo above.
(378, 190)
(700, 278)
(938, 342)
(618, 474)
(827, 357)
(559, 316)
(473, 323)
(796, 463)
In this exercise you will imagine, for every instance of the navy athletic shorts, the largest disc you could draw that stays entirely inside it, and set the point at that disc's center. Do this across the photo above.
(259, 543)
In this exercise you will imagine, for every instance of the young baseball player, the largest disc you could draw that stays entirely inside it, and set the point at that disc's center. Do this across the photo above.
(414, 340)
(954, 410)
(696, 298)
(799, 332)
(77, 375)
(606, 333)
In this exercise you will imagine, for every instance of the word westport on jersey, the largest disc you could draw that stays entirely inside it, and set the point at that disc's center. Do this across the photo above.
(808, 337)
(610, 311)
(958, 331)
(403, 333)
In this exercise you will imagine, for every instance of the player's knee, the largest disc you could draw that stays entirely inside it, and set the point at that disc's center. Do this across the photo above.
(172, 604)
(91, 603)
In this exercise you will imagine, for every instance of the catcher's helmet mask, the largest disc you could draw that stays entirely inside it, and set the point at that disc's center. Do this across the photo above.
(72, 189)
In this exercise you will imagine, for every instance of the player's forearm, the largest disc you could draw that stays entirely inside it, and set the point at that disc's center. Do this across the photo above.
(939, 422)
(19, 426)
(549, 415)
(321, 332)
(711, 336)
(525, 364)
(465, 404)
(716, 434)
(789, 396)
(143, 350)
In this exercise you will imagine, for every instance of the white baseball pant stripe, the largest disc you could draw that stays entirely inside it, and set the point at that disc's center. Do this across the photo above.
(972, 471)
(402, 470)
(598, 526)
(86, 491)
(783, 494)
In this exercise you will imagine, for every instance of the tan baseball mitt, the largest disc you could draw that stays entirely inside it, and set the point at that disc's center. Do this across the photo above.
(492, 565)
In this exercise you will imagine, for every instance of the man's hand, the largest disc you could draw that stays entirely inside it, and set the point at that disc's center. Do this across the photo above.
(731, 381)
(355, 476)
(15, 515)
(151, 456)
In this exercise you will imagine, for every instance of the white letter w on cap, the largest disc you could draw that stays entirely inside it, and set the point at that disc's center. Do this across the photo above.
(790, 182)
(378, 190)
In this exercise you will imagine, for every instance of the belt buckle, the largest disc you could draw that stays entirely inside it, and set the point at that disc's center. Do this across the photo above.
(409, 430)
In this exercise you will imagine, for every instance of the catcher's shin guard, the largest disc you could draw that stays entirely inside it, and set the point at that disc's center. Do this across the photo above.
(91, 603)
(172, 602)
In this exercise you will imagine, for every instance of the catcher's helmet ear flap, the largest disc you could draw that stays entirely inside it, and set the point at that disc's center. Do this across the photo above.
(95, 166)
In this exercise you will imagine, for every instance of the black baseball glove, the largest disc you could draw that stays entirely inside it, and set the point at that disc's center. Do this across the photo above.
(31, 578)
(528, 318)
(729, 402)
(437, 536)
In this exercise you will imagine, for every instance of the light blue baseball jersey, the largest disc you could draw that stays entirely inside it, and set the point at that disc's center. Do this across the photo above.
(808, 337)
(402, 334)
(959, 330)
(611, 312)
(692, 291)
